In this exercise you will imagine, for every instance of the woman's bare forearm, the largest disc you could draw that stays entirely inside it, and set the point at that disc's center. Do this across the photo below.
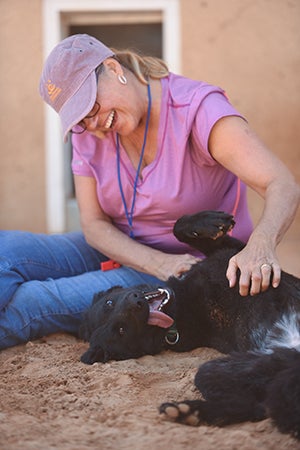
(279, 210)
(106, 238)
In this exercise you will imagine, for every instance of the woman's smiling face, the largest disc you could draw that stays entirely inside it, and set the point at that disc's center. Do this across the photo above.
(122, 106)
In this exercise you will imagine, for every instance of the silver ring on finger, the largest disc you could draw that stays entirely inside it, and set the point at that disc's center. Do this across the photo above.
(266, 265)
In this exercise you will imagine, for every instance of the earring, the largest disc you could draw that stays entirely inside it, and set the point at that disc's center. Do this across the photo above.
(122, 79)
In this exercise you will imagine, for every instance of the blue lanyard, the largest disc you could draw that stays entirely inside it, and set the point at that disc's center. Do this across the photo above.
(129, 214)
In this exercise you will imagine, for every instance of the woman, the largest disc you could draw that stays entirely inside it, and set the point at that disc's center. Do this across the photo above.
(148, 147)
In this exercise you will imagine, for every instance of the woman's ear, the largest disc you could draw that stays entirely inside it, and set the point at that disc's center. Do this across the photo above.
(113, 65)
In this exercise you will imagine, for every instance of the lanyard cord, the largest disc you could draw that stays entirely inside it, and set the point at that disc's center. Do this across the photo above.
(129, 214)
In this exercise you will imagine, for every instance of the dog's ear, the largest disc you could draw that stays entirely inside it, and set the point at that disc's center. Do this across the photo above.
(94, 354)
(84, 331)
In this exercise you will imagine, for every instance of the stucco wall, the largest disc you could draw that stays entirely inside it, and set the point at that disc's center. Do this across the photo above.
(22, 168)
(249, 47)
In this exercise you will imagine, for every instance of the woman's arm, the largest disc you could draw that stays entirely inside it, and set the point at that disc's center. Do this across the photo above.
(237, 148)
(102, 235)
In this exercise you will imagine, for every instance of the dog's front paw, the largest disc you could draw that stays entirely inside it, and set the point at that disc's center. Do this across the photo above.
(203, 225)
(184, 412)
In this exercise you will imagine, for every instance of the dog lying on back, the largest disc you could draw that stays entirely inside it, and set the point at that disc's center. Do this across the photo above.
(260, 378)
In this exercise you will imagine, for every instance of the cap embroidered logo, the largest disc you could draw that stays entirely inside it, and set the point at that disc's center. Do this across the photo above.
(53, 91)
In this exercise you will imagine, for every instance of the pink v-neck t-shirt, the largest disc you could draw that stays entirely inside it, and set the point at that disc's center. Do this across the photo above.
(182, 179)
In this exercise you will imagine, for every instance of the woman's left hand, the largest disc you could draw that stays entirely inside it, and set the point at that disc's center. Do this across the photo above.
(234, 145)
(259, 268)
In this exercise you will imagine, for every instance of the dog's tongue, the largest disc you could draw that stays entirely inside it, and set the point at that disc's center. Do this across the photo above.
(159, 319)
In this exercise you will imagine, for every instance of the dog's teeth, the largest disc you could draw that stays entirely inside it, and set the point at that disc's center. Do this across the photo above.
(157, 295)
(163, 303)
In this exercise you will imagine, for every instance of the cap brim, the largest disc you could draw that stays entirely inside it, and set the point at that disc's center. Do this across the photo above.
(79, 105)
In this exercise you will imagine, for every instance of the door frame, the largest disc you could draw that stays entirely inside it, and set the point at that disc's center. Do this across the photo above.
(53, 29)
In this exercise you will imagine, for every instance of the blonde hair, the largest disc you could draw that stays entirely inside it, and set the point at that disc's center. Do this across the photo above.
(143, 67)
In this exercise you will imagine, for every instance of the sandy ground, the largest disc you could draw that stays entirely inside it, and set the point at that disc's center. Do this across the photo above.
(50, 400)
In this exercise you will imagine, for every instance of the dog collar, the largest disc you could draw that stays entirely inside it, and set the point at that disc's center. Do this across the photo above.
(172, 336)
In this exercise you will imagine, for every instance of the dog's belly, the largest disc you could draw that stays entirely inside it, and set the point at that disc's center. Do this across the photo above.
(285, 332)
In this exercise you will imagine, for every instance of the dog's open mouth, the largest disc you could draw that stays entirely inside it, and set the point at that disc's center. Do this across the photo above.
(157, 300)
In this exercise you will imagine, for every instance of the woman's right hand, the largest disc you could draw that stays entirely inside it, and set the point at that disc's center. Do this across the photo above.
(173, 265)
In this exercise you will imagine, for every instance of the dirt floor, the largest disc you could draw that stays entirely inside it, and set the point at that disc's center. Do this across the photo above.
(50, 400)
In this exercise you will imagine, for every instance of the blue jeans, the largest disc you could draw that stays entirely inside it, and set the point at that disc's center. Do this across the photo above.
(48, 281)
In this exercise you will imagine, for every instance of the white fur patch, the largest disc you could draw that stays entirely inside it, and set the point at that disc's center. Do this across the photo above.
(284, 333)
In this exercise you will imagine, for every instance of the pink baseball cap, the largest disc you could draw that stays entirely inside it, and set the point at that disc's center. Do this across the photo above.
(68, 82)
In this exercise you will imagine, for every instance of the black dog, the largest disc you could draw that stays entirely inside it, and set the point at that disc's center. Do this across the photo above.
(261, 377)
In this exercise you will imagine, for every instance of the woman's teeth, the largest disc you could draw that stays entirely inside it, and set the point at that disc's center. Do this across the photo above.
(110, 119)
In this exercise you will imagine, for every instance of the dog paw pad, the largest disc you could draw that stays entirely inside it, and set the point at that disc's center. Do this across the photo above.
(180, 412)
(171, 411)
(192, 420)
(183, 408)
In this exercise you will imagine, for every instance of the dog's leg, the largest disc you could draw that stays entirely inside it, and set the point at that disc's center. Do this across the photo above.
(206, 231)
(283, 400)
(220, 413)
(245, 387)
(233, 391)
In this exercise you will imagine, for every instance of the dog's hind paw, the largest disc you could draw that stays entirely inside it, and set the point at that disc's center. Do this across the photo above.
(181, 412)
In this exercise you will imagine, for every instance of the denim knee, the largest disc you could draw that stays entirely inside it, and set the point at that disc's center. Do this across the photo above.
(37, 310)
(10, 280)
(28, 256)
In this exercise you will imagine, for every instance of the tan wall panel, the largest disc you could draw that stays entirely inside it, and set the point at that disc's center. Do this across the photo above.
(251, 49)
(22, 169)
